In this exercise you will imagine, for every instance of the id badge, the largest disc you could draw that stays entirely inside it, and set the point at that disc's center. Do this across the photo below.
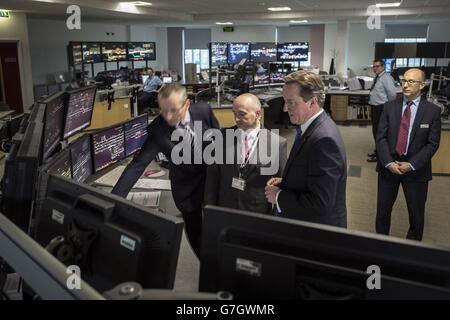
(238, 183)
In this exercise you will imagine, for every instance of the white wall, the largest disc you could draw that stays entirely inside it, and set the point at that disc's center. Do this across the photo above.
(330, 45)
(439, 31)
(244, 34)
(15, 29)
(361, 45)
(49, 40)
(294, 34)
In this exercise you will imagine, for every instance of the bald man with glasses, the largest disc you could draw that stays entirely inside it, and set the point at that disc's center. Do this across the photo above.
(408, 136)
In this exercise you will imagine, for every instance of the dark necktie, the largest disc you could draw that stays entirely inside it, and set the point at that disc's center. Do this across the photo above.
(374, 82)
(402, 139)
(298, 138)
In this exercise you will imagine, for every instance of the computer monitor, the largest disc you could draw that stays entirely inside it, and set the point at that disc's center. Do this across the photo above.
(21, 171)
(263, 52)
(167, 79)
(293, 51)
(135, 132)
(91, 52)
(114, 51)
(54, 122)
(80, 104)
(237, 52)
(61, 165)
(144, 78)
(256, 256)
(111, 239)
(138, 51)
(219, 53)
(81, 158)
(108, 147)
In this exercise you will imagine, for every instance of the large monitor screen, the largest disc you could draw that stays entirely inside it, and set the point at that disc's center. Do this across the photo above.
(135, 134)
(79, 110)
(91, 52)
(108, 147)
(81, 158)
(293, 51)
(237, 52)
(62, 166)
(219, 53)
(263, 52)
(54, 123)
(141, 51)
(114, 51)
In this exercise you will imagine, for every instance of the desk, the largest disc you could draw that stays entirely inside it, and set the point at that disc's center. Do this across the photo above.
(166, 202)
(441, 159)
(103, 117)
(4, 114)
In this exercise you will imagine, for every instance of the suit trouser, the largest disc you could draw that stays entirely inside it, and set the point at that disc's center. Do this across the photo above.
(416, 196)
(146, 100)
(193, 228)
(375, 115)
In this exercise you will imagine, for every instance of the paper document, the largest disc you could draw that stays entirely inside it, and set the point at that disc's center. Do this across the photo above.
(110, 179)
(158, 184)
(146, 199)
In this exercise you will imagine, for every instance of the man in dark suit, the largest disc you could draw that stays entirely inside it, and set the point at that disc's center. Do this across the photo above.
(258, 149)
(187, 179)
(407, 138)
(313, 184)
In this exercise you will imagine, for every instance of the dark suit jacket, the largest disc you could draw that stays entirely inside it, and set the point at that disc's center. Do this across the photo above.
(315, 176)
(187, 180)
(424, 141)
(218, 190)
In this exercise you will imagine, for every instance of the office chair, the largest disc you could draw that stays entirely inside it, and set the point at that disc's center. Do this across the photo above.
(204, 95)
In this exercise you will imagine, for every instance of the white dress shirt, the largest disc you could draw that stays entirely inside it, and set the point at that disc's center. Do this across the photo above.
(252, 135)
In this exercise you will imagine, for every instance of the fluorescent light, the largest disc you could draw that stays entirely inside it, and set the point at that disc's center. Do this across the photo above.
(388, 5)
(298, 21)
(223, 23)
(142, 3)
(127, 7)
(279, 9)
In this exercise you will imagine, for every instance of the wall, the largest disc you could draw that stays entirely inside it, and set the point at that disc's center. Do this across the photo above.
(49, 40)
(329, 45)
(294, 34)
(15, 29)
(197, 38)
(361, 45)
(244, 34)
(439, 31)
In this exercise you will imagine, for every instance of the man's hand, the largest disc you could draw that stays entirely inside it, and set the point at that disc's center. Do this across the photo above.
(271, 194)
(395, 169)
(274, 182)
(404, 167)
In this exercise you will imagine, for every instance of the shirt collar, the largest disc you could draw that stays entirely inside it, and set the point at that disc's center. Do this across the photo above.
(310, 120)
(416, 101)
(185, 121)
(253, 132)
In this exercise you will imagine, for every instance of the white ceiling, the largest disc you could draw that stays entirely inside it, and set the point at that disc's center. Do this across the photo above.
(240, 12)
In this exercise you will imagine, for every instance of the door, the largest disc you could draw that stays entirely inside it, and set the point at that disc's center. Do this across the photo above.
(10, 76)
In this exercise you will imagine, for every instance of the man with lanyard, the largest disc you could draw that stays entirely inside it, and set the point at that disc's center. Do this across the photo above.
(240, 184)
(382, 91)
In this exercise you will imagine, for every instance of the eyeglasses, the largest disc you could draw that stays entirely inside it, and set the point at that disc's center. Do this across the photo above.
(377, 66)
(410, 82)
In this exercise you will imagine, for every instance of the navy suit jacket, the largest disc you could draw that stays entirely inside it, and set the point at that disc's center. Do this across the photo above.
(187, 180)
(424, 139)
(315, 176)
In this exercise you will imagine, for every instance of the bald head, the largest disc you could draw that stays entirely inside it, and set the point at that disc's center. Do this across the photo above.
(413, 83)
(247, 111)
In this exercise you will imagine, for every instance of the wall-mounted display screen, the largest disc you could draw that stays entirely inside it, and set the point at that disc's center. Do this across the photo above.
(293, 51)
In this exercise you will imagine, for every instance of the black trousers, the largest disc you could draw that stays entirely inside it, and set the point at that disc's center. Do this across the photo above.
(375, 115)
(146, 100)
(193, 228)
(416, 196)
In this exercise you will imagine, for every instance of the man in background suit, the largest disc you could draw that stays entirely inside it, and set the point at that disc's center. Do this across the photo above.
(187, 179)
(313, 184)
(407, 138)
(222, 188)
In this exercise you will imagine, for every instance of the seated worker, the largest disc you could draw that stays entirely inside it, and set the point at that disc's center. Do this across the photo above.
(187, 179)
(147, 98)
(240, 184)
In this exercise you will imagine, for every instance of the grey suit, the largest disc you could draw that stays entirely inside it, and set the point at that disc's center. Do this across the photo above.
(315, 177)
(218, 189)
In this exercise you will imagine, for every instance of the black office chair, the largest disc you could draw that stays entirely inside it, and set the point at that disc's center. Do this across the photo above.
(205, 95)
